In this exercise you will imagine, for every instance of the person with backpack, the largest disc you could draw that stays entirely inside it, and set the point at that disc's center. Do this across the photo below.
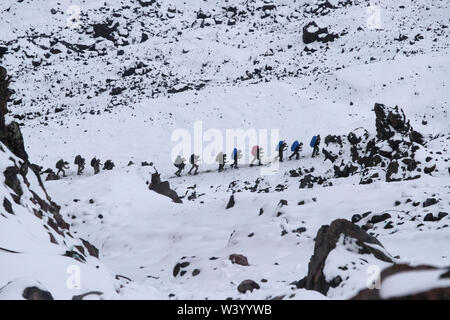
(282, 147)
(315, 142)
(221, 158)
(179, 163)
(80, 162)
(236, 155)
(109, 165)
(296, 148)
(194, 160)
(61, 165)
(257, 153)
(95, 163)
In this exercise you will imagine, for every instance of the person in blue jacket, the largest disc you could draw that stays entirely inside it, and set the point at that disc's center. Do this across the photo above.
(296, 148)
(236, 155)
(316, 147)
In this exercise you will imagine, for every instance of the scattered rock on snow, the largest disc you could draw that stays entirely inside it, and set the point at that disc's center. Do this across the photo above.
(239, 259)
(247, 285)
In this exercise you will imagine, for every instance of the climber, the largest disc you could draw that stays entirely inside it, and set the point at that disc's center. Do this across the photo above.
(221, 159)
(109, 165)
(61, 165)
(236, 155)
(296, 148)
(281, 147)
(179, 163)
(257, 153)
(95, 163)
(194, 160)
(315, 142)
(80, 162)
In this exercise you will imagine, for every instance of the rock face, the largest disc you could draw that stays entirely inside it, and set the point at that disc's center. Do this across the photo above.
(326, 240)
(23, 191)
(10, 134)
(163, 188)
(435, 291)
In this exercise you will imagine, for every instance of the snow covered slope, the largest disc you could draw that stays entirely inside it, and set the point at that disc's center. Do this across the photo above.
(134, 72)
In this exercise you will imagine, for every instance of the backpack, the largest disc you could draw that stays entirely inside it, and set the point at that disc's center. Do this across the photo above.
(294, 145)
(234, 153)
(279, 146)
(192, 159)
(255, 150)
(59, 164)
(77, 159)
(219, 157)
(93, 162)
(313, 142)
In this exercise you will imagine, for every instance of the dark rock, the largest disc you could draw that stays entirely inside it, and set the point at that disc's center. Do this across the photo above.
(300, 284)
(335, 282)
(431, 217)
(34, 293)
(356, 218)
(81, 296)
(438, 292)
(239, 259)
(14, 140)
(92, 250)
(8, 206)
(326, 240)
(312, 32)
(299, 230)
(429, 170)
(105, 30)
(376, 218)
(429, 202)
(247, 285)
(163, 188)
(231, 202)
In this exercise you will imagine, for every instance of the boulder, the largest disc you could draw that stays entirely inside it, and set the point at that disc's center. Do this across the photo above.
(435, 290)
(163, 188)
(35, 293)
(239, 259)
(326, 240)
(247, 285)
(231, 202)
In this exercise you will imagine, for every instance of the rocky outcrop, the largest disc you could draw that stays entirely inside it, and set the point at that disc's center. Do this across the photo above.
(10, 134)
(23, 190)
(326, 240)
(390, 155)
(312, 32)
(438, 290)
(163, 187)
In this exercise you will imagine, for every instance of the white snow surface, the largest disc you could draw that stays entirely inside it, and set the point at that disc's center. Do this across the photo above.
(142, 235)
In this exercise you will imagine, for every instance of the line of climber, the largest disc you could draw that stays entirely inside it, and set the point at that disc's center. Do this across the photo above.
(257, 153)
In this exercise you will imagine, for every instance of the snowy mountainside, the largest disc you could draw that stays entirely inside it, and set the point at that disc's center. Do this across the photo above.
(135, 72)
(127, 51)
(38, 249)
